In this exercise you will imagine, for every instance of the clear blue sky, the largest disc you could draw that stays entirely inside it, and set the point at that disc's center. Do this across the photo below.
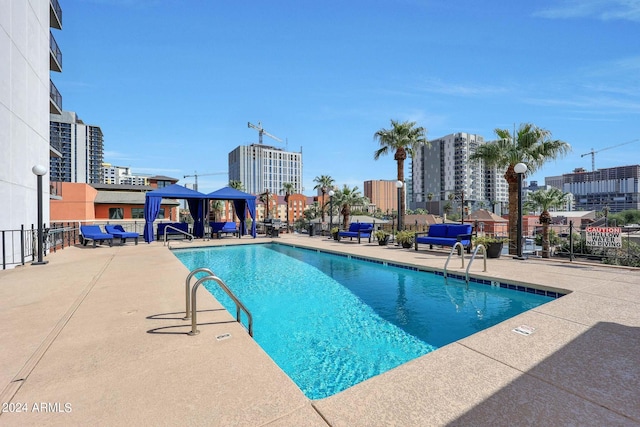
(173, 83)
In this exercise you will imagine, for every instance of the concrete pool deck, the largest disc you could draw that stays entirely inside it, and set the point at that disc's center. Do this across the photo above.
(96, 337)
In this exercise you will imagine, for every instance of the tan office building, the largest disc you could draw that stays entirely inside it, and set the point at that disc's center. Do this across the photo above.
(383, 194)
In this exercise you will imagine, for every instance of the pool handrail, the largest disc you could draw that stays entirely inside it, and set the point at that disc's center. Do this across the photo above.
(187, 312)
(188, 235)
(453, 248)
(225, 288)
(475, 251)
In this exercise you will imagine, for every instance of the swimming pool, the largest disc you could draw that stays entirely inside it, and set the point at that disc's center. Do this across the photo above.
(331, 322)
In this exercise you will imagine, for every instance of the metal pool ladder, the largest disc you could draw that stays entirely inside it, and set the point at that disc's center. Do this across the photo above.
(188, 235)
(475, 252)
(192, 301)
(451, 253)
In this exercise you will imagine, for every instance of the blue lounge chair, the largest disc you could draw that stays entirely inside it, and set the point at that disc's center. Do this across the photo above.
(218, 228)
(93, 232)
(120, 232)
(357, 229)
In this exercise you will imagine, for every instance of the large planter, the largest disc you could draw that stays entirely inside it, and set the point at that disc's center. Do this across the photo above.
(407, 244)
(384, 241)
(494, 249)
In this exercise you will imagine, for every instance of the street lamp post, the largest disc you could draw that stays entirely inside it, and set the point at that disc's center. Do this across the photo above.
(399, 185)
(331, 193)
(39, 171)
(520, 169)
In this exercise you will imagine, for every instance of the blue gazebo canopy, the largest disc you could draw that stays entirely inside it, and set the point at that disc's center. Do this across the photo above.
(242, 202)
(197, 205)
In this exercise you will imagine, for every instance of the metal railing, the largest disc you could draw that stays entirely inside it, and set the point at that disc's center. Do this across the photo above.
(473, 257)
(451, 253)
(20, 246)
(178, 231)
(194, 303)
(55, 49)
(54, 95)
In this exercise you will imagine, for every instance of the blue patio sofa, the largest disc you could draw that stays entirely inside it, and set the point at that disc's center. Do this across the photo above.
(162, 229)
(120, 232)
(359, 230)
(220, 228)
(95, 234)
(446, 235)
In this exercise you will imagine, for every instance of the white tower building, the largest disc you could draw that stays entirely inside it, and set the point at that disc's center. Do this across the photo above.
(262, 167)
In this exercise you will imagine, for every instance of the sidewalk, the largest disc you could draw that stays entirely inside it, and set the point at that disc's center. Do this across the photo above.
(97, 336)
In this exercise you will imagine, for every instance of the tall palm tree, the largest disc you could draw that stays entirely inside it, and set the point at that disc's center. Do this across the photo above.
(324, 184)
(266, 198)
(530, 145)
(545, 200)
(347, 197)
(237, 185)
(288, 189)
(403, 139)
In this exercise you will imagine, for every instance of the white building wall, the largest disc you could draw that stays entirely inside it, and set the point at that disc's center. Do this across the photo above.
(262, 167)
(24, 109)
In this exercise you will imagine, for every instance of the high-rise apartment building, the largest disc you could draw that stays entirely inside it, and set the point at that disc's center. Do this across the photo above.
(442, 174)
(496, 190)
(121, 175)
(616, 188)
(27, 95)
(81, 147)
(262, 167)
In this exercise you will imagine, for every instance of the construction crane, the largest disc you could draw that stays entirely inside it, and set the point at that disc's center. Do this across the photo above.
(261, 132)
(196, 175)
(593, 153)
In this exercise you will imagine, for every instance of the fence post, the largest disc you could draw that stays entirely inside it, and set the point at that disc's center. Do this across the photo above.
(21, 243)
(570, 240)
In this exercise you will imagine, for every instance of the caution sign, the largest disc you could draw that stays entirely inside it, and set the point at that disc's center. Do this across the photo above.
(604, 237)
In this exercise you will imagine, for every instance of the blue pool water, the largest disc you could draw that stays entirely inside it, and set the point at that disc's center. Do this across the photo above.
(331, 322)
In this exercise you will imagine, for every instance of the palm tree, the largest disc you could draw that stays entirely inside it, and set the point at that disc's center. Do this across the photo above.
(217, 207)
(545, 200)
(237, 185)
(288, 189)
(266, 198)
(530, 145)
(346, 198)
(324, 184)
(403, 139)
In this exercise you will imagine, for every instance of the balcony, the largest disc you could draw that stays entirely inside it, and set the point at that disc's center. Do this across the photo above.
(55, 15)
(55, 55)
(55, 99)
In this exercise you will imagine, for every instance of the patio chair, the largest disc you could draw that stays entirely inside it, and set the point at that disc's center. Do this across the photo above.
(94, 233)
(120, 232)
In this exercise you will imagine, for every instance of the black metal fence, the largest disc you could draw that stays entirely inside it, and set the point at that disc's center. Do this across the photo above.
(20, 246)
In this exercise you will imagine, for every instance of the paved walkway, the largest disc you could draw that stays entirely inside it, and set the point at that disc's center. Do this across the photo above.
(96, 337)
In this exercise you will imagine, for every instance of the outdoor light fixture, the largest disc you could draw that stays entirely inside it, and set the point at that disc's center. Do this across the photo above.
(520, 169)
(39, 171)
(331, 193)
(399, 185)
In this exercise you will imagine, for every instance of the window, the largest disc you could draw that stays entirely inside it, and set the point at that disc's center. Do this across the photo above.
(116, 213)
(160, 214)
(137, 213)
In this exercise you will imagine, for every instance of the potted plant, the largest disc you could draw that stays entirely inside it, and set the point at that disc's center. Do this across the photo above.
(334, 233)
(382, 236)
(492, 244)
(406, 238)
